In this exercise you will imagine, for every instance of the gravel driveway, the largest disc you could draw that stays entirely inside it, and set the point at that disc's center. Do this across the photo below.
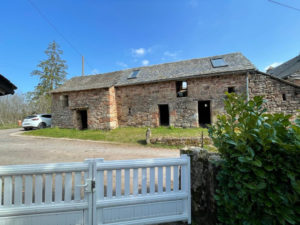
(18, 149)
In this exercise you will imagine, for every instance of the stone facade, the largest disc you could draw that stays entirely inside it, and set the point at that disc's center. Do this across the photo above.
(99, 104)
(280, 96)
(138, 105)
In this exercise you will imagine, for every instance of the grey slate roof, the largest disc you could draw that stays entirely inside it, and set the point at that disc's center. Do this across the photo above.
(291, 67)
(89, 82)
(162, 72)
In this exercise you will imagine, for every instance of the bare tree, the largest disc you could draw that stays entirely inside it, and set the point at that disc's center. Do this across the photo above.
(12, 109)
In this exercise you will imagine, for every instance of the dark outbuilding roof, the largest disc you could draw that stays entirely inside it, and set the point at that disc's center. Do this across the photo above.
(6, 87)
(104, 80)
(234, 62)
(289, 68)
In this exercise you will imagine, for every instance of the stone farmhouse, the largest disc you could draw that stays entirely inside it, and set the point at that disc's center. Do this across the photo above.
(182, 94)
(289, 70)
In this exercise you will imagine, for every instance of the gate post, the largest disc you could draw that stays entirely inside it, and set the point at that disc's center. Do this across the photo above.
(187, 186)
(95, 195)
(90, 198)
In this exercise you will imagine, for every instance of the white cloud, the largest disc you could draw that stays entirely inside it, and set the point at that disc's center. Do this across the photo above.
(122, 64)
(145, 62)
(170, 54)
(95, 71)
(275, 64)
(139, 52)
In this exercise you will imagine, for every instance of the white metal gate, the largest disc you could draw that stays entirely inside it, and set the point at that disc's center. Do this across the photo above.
(147, 191)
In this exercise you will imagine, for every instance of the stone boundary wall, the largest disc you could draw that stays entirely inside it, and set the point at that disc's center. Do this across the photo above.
(204, 168)
(189, 141)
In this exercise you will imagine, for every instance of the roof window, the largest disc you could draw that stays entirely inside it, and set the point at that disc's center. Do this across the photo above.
(218, 62)
(133, 74)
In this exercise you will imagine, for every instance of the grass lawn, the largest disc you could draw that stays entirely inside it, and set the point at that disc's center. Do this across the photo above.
(135, 135)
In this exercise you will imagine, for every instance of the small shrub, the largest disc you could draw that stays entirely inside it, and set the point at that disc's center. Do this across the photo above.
(259, 179)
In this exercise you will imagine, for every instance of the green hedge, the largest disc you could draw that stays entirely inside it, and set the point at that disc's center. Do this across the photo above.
(259, 180)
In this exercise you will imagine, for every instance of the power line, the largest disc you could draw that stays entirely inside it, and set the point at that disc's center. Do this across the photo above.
(57, 31)
(284, 5)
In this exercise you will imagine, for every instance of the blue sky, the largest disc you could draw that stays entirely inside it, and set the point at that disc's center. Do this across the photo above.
(119, 34)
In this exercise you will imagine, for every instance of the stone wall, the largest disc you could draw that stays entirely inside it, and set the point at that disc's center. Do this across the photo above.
(188, 141)
(273, 90)
(96, 102)
(204, 168)
(213, 88)
(62, 116)
(137, 105)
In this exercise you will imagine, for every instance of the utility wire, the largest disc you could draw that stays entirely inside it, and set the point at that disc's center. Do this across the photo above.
(57, 31)
(284, 5)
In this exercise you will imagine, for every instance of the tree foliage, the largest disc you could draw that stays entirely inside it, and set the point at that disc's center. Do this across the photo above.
(51, 73)
(259, 181)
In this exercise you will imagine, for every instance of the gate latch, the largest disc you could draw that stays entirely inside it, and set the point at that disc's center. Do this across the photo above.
(89, 185)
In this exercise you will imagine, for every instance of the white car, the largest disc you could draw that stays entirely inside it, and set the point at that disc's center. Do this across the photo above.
(37, 121)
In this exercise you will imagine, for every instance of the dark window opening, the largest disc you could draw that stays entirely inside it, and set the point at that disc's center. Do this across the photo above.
(283, 97)
(231, 90)
(65, 100)
(164, 115)
(204, 113)
(218, 62)
(83, 119)
(129, 112)
(181, 89)
(133, 74)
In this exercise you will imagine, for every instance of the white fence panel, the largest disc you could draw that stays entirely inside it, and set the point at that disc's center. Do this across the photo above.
(149, 193)
(33, 194)
(96, 192)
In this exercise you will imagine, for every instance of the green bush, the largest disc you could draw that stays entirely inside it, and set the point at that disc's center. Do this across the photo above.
(258, 182)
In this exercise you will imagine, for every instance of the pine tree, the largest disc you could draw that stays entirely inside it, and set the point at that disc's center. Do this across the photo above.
(52, 71)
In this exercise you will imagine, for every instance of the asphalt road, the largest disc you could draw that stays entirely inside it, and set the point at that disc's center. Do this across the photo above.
(16, 148)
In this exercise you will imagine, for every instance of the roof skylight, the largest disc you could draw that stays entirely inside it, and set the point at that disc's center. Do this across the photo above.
(219, 62)
(133, 74)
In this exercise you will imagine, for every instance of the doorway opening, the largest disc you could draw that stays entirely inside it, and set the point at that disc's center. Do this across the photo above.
(204, 113)
(83, 119)
(164, 115)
